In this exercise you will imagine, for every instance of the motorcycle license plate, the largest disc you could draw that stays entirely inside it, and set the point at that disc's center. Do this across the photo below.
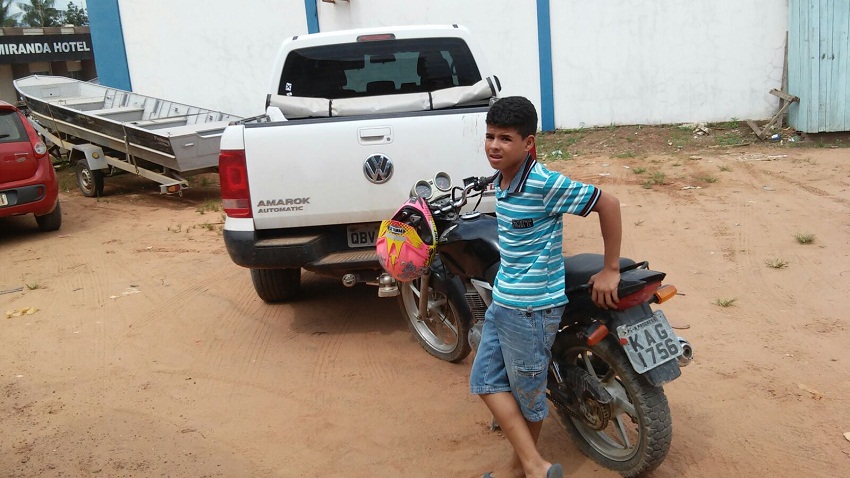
(3, 200)
(362, 235)
(649, 343)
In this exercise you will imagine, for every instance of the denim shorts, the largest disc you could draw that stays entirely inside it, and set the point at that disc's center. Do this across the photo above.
(523, 340)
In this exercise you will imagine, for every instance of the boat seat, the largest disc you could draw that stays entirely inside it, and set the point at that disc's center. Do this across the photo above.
(214, 127)
(81, 104)
(156, 123)
(115, 111)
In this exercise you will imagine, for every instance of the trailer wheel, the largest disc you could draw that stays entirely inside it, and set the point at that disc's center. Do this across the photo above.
(89, 180)
(276, 285)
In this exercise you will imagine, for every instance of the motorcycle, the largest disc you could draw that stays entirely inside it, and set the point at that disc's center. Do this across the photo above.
(608, 365)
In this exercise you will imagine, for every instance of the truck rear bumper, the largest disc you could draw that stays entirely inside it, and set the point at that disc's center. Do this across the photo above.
(319, 252)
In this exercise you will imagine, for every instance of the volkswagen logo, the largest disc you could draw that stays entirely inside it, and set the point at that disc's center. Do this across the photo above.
(378, 168)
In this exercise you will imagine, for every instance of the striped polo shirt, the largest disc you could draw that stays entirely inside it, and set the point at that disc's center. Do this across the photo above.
(529, 213)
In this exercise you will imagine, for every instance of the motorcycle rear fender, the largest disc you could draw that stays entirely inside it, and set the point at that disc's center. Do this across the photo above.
(666, 372)
(632, 279)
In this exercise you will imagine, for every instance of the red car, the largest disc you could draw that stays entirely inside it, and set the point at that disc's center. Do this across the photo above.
(27, 179)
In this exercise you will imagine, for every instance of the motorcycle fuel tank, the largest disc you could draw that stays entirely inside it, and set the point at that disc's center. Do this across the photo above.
(470, 246)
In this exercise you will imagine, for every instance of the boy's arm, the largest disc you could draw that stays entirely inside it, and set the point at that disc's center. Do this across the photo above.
(606, 281)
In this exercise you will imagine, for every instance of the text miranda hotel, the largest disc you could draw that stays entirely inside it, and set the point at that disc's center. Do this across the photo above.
(35, 48)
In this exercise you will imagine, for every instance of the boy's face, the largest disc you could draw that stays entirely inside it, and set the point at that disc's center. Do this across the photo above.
(506, 149)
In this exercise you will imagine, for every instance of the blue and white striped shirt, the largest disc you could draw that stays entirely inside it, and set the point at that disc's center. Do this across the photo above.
(529, 213)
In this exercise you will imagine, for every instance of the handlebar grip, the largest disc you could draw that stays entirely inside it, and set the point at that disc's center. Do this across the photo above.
(482, 182)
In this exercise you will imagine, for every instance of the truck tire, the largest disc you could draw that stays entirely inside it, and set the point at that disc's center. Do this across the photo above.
(51, 221)
(276, 285)
(90, 181)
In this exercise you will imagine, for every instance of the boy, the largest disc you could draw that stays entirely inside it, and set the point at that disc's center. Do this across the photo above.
(510, 367)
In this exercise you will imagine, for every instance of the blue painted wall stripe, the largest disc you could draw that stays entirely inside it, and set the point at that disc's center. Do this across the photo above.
(547, 88)
(107, 37)
(312, 16)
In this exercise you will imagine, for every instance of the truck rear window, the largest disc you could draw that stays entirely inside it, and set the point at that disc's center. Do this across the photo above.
(378, 68)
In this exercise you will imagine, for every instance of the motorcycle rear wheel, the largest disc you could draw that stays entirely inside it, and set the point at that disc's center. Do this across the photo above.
(637, 436)
(443, 333)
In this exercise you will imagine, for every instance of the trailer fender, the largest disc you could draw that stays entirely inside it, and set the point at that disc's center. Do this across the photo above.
(93, 153)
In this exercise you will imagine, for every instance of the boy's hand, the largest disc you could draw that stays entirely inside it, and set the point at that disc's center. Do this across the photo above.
(604, 292)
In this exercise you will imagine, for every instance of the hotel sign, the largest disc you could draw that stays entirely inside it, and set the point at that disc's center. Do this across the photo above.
(35, 48)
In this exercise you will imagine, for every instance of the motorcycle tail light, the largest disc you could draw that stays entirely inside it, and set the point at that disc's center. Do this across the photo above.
(665, 293)
(639, 297)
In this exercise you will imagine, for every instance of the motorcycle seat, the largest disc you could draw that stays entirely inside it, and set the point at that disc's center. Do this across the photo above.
(581, 267)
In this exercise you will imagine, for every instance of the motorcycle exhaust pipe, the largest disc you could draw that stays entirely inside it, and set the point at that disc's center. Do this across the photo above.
(687, 353)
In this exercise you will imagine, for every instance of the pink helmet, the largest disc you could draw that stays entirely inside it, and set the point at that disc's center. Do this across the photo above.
(406, 243)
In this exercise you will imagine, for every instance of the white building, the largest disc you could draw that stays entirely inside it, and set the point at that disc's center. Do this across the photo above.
(582, 63)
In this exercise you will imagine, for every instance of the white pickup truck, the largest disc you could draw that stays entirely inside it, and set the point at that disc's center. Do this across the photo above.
(353, 119)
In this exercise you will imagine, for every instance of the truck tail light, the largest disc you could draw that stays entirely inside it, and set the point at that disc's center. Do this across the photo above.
(377, 37)
(233, 176)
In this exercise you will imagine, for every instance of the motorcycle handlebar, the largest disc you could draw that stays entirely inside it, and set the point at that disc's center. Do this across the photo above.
(479, 184)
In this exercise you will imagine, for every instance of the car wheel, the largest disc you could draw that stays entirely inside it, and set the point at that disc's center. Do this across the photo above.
(50, 221)
(89, 180)
(276, 285)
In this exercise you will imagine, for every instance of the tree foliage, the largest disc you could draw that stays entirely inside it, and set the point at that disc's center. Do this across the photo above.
(40, 13)
(8, 19)
(75, 15)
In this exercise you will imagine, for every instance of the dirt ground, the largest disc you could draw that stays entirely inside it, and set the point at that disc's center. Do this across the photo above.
(149, 354)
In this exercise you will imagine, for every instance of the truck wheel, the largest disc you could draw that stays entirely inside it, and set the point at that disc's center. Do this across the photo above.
(89, 180)
(50, 221)
(276, 285)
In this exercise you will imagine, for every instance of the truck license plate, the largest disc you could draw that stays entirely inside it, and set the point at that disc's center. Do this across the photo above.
(362, 235)
(650, 343)
(3, 200)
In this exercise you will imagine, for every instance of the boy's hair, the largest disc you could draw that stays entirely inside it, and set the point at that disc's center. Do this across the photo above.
(514, 112)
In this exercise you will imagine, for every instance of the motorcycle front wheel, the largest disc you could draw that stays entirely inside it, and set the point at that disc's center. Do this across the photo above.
(442, 333)
(630, 435)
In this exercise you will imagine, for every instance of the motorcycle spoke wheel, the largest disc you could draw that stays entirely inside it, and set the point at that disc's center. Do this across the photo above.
(440, 332)
(637, 434)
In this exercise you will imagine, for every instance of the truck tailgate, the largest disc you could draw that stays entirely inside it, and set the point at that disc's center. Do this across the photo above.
(377, 161)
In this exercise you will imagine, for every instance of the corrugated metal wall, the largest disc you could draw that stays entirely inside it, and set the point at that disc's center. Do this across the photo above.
(819, 65)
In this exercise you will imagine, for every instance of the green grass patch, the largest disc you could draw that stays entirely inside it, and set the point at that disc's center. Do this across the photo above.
(729, 139)
(725, 302)
(210, 205)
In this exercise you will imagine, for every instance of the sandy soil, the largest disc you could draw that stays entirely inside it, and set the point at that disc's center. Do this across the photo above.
(149, 353)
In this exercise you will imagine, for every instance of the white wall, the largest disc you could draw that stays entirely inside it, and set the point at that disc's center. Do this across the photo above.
(210, 53)
(614, 61)
(666, 61)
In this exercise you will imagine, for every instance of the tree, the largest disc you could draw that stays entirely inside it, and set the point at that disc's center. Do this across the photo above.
(40, 13)
(7, 19)
(75, 15)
